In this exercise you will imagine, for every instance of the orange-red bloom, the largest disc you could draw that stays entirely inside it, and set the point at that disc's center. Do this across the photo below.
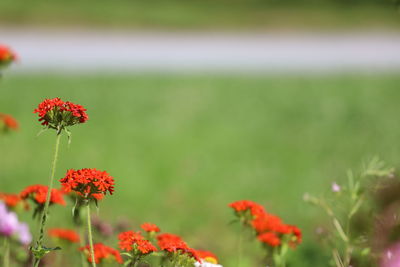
(150, 227)
(247, 205)
(88, 183)
(126, 239)
(173, 243)
(130, 240)
(267, 222)
(6, 55)
(269, 238)
(207, 256)
(8, 122)
(38, 194)
(270, 229)
(102, 252)
(56, 113)
(271, 223)
(12, 200)
(64, 234)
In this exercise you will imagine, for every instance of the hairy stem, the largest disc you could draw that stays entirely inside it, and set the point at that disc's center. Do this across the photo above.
(89, 226)
(48, 197)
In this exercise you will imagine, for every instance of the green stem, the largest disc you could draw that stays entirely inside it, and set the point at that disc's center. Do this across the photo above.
(48, 197)
(240, 241)
(6, 261)
(89, 225)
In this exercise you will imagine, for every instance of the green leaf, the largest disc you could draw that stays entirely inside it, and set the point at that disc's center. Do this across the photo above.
(127, 263)
(337, 259)
(356, 207)
(40, 252)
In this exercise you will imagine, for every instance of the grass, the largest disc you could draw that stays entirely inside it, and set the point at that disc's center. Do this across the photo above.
(200, 15)
(182, 147)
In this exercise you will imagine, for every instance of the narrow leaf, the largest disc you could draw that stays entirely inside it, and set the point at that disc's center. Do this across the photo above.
(340, 230)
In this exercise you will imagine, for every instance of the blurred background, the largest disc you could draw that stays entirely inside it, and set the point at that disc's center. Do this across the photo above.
(195, 104)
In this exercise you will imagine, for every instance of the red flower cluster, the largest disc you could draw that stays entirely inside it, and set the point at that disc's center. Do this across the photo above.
(150, 227)
(268, 223)
(56, 113)
(12, 200)
(38, 194)
(6, 55)
(269, 238)
(102, 252)
(88, 183)
(8, 122)
(207, 256)
(173, 243)
(268, 227)
(64, 234)
(242, 206)
(130, 240)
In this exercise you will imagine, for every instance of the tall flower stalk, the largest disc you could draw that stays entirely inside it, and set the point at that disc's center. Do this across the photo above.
(90, 185)
(39, 244)
(90, 237)
(58, 115)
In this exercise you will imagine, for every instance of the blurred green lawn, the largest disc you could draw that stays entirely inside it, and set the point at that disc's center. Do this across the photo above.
(204, 14)
(182, 147)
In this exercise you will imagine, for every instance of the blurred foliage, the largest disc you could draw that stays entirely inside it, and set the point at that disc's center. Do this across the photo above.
(202, 14)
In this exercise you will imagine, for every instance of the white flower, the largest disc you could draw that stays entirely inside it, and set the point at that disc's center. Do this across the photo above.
(206, 264)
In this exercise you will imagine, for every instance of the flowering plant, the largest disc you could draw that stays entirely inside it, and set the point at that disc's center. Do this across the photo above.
(136, 244)
(207, 259)
(7, 56)
(10, 226)
(102, 253)
(88, 183)
(269, 229)
(68, 235)
(349, 241)
(7, 123)
(57, 114)
(13, 201)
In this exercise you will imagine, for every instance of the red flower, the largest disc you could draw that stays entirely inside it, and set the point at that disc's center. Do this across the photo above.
(101, 252)
(242, 206)
(173, 243)
(57, 114)
(38, 194)
(6, 55)
(269, 238)
(297, 234)
(88, 183)
(267, 222)
(207, 256)
(145, 246)
(12, 200)
(150, 227)
(64, 234)
(126, 239)
(8, 121)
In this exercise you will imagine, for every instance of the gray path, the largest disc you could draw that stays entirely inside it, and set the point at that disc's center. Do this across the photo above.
(42, 50)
